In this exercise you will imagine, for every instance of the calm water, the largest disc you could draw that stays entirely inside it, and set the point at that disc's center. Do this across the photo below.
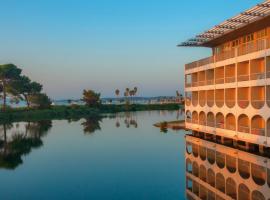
(117, 157)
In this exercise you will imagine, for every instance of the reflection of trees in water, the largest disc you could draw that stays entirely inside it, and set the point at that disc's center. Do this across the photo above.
(90, 125)
(21, 141)
(130, 119)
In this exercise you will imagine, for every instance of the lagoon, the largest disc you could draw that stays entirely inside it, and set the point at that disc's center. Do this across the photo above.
(120, 156)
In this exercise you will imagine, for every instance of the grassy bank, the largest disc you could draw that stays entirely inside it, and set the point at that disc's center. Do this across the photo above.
(68, 112)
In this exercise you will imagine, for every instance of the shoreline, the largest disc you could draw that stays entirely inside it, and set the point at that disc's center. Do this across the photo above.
(77, 111)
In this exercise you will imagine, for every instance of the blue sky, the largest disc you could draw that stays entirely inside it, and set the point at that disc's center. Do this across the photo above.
(69, 45)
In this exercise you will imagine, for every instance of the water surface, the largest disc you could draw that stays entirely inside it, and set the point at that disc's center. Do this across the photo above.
(116, 157)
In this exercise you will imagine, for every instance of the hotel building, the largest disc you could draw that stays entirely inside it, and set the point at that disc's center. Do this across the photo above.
(228, 93)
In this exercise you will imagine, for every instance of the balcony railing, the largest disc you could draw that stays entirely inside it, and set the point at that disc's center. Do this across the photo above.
(256, 76)
(210, 103)
(201, 83)
(230, 79)
(244, 77)
(219, 103)
(220, 125)
(210, 82)
(194, 102)
(230, 103)
(251, 47)
(201, 62)
(211, 123)
(202, 122)
(225, 55)
(194, 84)
(219, 80)
(243, 103)
(244, 129)
(188, 84)
(195, 121)
(230, 127)
(258, 131)
(243, 49)
(188, 120)
(257, 103)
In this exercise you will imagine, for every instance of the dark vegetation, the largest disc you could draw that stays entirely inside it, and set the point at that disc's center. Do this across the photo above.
(76, 111)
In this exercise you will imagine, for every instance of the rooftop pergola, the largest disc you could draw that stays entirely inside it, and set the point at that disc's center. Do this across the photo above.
(254, 14)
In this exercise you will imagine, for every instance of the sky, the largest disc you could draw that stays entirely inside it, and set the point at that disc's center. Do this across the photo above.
(71, 45)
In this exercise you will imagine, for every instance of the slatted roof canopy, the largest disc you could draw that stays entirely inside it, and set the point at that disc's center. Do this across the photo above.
(251, 15)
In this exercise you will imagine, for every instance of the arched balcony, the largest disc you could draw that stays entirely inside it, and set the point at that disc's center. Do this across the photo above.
(258, 125)
(212, 196)
(195, 169)
(258, 174)
(220, 160)
(195, 188)
(256, 195)
(210, 119)
(230, 122)
(188, 116)
(195, 150)
(268, 67)
(202, 118)
(188, 148)
(219, 75)
(203, 193)
(243, 192)
(195, 117)
(220, 120)
(203, 173)
(188, 165)
(219, 97)
(202, 98)
(268, 93)
(188, 98)
(230, 73)
(258, 96)
(230, 97)
(268, 127)
(202, 152)
(210, 76)
(231, 163)
(189, 184)
(201, 78)
(268, 177)
(243, 97)
(195, 98)
(257, 69)
(243, 71)
(231, 188)
(243, 124)
(244, 168)
(211, 177)
(220, 182)
(210, 98)
(211, 156)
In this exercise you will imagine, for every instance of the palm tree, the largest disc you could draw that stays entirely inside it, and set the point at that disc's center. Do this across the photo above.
(117, 92)
(135, 89)
(126, 94)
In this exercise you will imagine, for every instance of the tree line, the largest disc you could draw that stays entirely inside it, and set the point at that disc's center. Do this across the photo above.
(16, 87)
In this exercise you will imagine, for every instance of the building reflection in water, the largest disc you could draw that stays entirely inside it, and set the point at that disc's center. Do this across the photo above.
(18, 139)
(216, 172)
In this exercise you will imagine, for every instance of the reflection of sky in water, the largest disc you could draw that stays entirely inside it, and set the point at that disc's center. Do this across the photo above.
(110, 163)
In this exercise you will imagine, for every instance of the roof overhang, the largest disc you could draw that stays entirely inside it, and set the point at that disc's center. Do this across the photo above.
(253, 19)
